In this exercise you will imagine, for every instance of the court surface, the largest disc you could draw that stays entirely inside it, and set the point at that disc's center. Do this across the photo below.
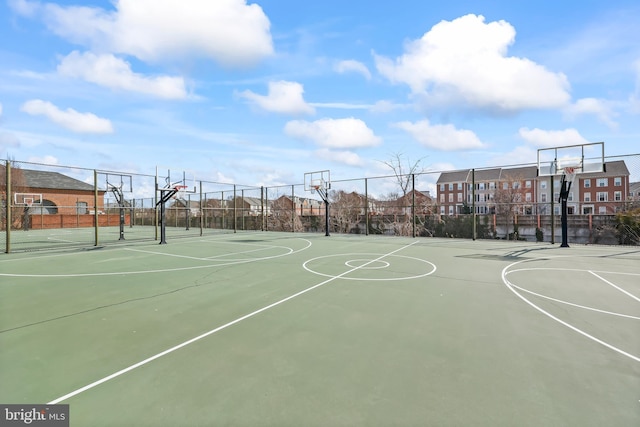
(275, 329)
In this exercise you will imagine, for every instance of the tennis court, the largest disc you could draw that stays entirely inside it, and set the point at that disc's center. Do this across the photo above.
(284, 329)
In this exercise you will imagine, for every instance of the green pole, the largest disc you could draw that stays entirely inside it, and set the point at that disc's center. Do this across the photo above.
(473, 202)
(95, 205)
(8, 213)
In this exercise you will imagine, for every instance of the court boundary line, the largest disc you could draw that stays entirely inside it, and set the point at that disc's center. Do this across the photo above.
(162, 270)
(508, 284)
(616, 287)
(215, 330)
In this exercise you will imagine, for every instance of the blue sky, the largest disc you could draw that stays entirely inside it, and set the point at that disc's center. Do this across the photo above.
(261, 92)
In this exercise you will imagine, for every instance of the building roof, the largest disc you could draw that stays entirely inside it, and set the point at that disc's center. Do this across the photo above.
(525, 172)
(53, 181)
(454, 176)
(614, 168)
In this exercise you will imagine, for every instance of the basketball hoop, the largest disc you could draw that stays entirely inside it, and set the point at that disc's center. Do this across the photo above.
(180, 191)
(569, 173)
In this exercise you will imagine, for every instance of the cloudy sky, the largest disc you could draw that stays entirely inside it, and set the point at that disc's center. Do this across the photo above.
(261, 92)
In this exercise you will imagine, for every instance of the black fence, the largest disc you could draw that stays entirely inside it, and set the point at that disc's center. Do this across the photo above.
(52, 206)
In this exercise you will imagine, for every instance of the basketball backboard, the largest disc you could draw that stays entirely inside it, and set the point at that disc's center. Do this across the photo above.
(319, 180)
(27, 199)
(167, 178)
(582, 158)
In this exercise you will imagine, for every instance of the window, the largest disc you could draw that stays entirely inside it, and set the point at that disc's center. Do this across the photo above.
(570, 198)
(516, 185)
(602, 196)
(587, 210)
(528, 197)
(460, 197)
(460, 186)
(543, 185)
(587, 197)
(602, 182)
(442, 211)
(543, 197)
(441, 187)
(617, 196)
(556, 196)
(617, 181)
(442, 198)
(450, 197)
(587, 183)
(82, 208)
(527, 184)
(492, 186)
(505, 185)
(451, 186)
(450, 210)
(481, 186)
(602, 210)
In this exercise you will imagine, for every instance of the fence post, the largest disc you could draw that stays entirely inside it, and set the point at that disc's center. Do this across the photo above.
(366, 207)
(8, 206)
(293, 210)
(413, 205)
(473, 203)
(95, 205)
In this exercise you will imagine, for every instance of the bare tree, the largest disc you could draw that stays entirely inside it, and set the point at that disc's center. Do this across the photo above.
(403, 168)
(507, 201)
(347, 209)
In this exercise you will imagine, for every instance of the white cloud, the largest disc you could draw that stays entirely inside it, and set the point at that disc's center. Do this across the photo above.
(0, 110)
(552, 138)
(346, 157)
(385, 106)
(23, 7)
(334, 133)
(353, 66)
(283, 97)
(441, 137)
(230, 32)
(597, 107)
(465, 60)
(115, 73)
(69, 118)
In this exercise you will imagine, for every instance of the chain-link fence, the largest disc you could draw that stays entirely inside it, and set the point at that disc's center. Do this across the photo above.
(52, 206)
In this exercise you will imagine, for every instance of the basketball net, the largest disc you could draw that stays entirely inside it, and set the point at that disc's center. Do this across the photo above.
(569, 174)
(180, 192)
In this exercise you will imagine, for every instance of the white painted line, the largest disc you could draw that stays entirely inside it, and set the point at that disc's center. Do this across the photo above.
(213, 331)
(562, 322)
(163, 270)
(575, 305)
(618, 288)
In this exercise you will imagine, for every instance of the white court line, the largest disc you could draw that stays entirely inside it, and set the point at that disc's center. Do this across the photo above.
(575, 305)
(562, 322)
(213, 331)
(611, 284)
(164, 270)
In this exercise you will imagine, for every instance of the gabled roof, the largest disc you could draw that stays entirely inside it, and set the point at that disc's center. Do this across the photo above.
(614, 168)
(453, 176)
(53, 181)
(526, 172)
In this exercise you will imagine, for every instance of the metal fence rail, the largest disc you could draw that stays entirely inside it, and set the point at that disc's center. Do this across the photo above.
(82, 210)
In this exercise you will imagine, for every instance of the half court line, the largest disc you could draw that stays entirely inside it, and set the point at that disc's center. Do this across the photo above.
(219, 328)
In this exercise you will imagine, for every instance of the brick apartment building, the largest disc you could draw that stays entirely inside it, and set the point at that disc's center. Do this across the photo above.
(601, 193)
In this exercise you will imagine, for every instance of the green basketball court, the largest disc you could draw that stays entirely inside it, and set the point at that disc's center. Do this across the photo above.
(275, 329)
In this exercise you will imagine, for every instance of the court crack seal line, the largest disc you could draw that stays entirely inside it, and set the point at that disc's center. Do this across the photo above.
(360, 259)
(512, 287)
